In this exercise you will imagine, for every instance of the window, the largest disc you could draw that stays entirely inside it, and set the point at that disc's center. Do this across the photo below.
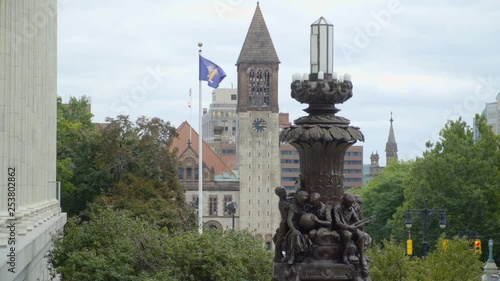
(289, 152)
(259, 87)
(212, 205)
(352, 162)
(228, 151)
(290, 170)
(353, 153)
(227, 199)
(289, 179)
(352, 171)
(233, 97)
(352, 180)
(196, 175)
(189, 174)
(289, 161)
(181, 173)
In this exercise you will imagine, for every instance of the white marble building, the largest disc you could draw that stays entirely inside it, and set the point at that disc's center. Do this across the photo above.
(29, 209)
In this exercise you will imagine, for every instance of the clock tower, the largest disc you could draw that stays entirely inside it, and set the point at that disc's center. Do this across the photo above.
(258, 132)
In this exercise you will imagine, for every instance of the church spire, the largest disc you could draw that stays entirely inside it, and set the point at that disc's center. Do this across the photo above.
(391, 147)
(392, 138)
(258, 46)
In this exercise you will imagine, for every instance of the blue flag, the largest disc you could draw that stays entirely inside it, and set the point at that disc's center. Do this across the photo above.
(211, 72)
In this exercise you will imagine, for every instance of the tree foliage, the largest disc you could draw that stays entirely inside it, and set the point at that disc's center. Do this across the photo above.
(112, 245)
(461, 176)
(454, 261)
(128, 165)
(382, 196)
(456, 174)
(77, 147)
(389, 261)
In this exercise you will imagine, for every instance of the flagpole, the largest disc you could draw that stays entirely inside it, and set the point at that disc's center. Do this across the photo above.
(200, 156)
(190, 117)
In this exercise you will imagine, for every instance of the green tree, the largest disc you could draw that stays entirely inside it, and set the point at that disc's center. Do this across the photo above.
(77, 147)
(459, 175)
(454, 260)
(389, 261)
(112, 245)
(107, 246)
(144, 170)
(382, 195)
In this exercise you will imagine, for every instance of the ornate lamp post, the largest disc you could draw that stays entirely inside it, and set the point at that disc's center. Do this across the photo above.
(232, 206)
(322, 138)
(310, 244)
(425, 214)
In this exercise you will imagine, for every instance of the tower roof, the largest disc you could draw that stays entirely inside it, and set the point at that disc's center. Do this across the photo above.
(258, 46)
(392, 138)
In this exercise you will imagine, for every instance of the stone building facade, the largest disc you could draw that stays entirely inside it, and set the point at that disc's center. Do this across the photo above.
(258, 131)
(29, 206)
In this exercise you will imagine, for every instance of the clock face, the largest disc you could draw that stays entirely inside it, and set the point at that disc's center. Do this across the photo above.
(259, 125)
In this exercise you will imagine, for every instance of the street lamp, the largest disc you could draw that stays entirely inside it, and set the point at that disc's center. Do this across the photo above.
(232, 206)
(425, 214)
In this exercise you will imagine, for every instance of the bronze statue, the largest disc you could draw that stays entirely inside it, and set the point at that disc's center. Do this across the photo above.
(347, 223)
(279, 237)
(296, 242)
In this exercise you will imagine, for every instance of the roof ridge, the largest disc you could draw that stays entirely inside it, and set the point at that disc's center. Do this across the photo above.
(206, 148)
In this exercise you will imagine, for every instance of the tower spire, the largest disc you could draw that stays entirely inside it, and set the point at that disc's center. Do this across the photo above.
(391, 147)
(258, 46)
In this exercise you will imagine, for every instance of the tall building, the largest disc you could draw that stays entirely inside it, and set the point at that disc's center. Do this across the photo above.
(221, 115)
(29, 206)
(492, 113)
(258, 130)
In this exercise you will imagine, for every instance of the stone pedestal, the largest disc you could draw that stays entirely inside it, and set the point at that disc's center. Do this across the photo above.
(318, 271)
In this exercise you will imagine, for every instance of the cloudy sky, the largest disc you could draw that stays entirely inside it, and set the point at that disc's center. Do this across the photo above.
(426, 61)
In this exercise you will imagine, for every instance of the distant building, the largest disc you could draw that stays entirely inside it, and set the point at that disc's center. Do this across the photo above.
(220, 183)
(243, 158)
(492, 113)
(391, 154)
(221, 116)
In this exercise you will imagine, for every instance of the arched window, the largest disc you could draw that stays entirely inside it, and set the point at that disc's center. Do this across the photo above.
(259, 87)
(190, 170)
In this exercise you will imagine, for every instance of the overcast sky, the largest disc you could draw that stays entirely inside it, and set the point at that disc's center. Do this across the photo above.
(426, 61)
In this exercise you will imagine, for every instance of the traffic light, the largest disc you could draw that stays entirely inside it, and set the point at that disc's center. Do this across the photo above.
(409, 247)
(445, 244)
(477, 246)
